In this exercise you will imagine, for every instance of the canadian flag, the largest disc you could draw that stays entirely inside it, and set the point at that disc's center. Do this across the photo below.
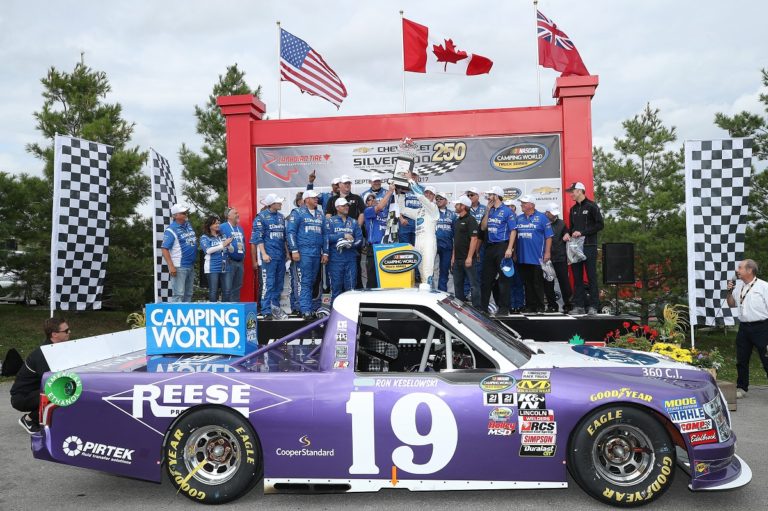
(427, 52)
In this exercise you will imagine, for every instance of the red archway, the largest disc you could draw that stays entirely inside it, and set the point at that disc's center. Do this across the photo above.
(571, 117)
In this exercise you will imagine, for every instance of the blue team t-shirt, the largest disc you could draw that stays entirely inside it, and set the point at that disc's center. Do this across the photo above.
(532, 232)
(181, 241)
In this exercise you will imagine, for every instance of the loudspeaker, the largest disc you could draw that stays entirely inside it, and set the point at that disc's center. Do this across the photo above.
(618, 263)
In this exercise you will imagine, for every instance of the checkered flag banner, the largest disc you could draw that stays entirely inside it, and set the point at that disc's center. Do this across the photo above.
(80, 233)
(163, 197)
(717, 184)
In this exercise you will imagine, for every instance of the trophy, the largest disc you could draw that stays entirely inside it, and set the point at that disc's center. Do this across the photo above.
(404, 164)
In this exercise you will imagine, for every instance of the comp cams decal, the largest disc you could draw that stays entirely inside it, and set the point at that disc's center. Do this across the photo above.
(152, 404)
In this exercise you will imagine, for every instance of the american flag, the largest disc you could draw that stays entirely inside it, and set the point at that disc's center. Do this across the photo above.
(547, 28)
(302, 65)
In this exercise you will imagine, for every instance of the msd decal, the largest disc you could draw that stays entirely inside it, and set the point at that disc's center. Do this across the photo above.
(152, 404)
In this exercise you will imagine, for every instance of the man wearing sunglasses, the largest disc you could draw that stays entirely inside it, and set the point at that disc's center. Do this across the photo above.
(25, 392)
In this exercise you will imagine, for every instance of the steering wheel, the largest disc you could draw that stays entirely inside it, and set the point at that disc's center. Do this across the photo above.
(463, 358)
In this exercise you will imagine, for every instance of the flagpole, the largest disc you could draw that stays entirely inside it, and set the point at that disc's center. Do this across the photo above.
(536, 32)
(279, 80)
(403, 54)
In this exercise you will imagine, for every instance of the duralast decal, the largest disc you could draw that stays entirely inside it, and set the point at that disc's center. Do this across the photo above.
(519, 157)
(540, 451)
(400, 262)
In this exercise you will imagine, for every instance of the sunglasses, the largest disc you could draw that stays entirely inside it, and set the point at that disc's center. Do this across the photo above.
(63, 331)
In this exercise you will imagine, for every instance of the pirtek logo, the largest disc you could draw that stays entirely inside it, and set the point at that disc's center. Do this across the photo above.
(74, 446)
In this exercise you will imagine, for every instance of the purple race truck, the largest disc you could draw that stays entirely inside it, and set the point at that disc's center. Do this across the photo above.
(399, 388)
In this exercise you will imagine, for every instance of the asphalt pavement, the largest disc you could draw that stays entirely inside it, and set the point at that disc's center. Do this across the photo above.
(26, 483)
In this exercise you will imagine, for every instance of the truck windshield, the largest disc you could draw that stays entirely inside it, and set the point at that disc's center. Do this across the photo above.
(497, 337)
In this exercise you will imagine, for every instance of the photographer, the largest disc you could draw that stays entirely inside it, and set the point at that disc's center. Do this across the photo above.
(751, 298)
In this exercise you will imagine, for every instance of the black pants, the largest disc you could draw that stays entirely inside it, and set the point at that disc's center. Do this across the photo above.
(561, 271)
(359, 283)
(751, 335)
(27, 403)
(494, 253)
(590, 265)
(370, 271)
(459, 272)
(533, 280)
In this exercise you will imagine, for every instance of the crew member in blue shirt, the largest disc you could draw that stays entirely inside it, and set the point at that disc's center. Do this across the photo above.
(499, 224)
(343, 238)
(269, 237)
(179, 250)
(516, 287)
(477, 210)
(233, 278)
(534, 243)
(376, 215)
(444, 239)
(216, 248)
(306, 235)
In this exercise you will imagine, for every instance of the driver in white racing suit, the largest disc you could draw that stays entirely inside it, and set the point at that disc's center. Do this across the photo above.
(426, 219)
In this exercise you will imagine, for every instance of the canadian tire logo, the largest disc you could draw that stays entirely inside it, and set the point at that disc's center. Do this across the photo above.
(72, 446)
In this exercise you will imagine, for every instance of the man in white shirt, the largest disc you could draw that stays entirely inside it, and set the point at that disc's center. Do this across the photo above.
(751, 298)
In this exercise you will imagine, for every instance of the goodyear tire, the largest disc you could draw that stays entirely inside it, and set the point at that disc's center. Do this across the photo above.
(213, 456)
(622, 456)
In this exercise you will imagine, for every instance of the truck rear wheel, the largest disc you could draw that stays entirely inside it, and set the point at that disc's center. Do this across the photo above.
(213, 456)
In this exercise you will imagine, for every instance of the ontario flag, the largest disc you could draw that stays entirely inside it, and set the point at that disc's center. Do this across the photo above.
(556, 50)
(426, 52)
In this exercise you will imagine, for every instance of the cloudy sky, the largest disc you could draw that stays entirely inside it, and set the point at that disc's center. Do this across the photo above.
(688, 58)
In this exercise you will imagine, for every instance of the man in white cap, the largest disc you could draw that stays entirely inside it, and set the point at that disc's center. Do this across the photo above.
(305, 230)
(343, 238)
(324, 197)
(179, 250)
(268, 236)
(465, 231)
(425, 219)
(500, 225)
(534, 245)
(559, 261)
(376, 188)
(355, 212)
(585, 221)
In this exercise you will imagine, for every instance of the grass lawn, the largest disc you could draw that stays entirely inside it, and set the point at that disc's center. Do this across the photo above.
(23, 326)
(725, 342)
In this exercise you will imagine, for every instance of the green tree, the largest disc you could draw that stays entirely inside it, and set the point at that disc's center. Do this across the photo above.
(746, 124)
(640, 188)
(205, 174)
(74, 105)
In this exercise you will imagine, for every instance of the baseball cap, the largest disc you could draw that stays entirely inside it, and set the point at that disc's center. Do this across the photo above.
(179, 208)
(553, 208)
(527, 198)
(442, 194)
(472, 189)
(578, 185)
(507, 267)
(509, 202)
(367, 195)
(310, 193)
(463, 200)
(341, 201)
(271, 199)
(430, 188)
(335, 180)
(496, 190)
(345, 179)
(376, 177)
